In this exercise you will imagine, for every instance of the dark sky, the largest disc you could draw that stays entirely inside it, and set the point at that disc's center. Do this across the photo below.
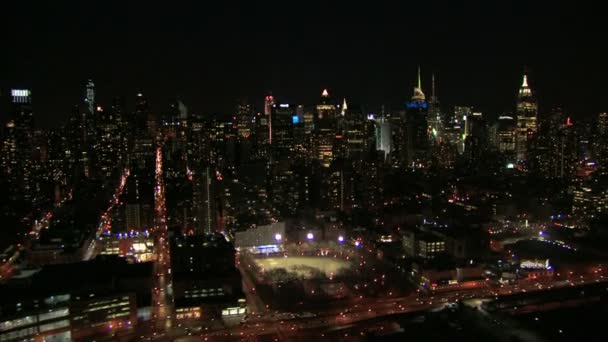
(210, 53)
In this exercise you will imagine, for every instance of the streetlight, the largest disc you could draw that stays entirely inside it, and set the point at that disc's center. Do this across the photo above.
(278, 237)
(309, 236)
(340, 238)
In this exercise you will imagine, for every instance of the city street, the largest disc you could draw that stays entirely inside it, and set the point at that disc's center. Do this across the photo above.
(162, 302)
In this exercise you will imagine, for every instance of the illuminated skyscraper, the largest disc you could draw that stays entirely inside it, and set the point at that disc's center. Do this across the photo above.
(324, 130)
(203, 200)
(141, 140)
(9, 161)
(89, 118)
(244, 114)
(435, 117)
(383, 135)
(19, 143)
(475, 135)
(109, 142)
(140, 117)
(601, 140)
(283, 120)
(268, 102)
(527, 112)
(417, 133)
(506, 136)
(553, 150)
(90, 97)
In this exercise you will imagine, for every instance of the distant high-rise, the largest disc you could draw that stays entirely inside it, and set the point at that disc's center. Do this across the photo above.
(89, 117)
(140, 117)
(601, 140)
(268, 103)
(283, 116)
(203, 200)
(9, 161)
(475, 133)
(383, 135)
(109, 142)
(20, 142)
(527, 112)
(553, 150)
(417, 135)
(435, 116)
(90, 97)
(506, 136)
(244, 115)
(324, 130)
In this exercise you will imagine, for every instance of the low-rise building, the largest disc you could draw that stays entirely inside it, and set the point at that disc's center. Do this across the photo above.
(75, 301)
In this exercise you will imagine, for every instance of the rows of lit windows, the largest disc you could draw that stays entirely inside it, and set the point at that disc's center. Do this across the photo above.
(54, 314)
(106, 307)
(233, 311)
(55, 325)
(204, 293)
(19, 334)
(19, 322)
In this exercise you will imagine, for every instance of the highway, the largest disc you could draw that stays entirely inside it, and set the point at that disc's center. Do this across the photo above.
(360, 310)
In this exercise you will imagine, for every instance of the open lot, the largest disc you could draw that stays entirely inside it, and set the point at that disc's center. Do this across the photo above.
(304, 265)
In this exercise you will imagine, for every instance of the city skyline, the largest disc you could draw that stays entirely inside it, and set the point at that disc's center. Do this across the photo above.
(214, 171)
(209, 57)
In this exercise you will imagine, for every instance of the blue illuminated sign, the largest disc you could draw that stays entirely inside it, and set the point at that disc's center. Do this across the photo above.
(295, 119)
(422, 105)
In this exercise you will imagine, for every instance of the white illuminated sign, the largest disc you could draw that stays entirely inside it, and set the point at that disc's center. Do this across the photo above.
(535, 264)
(20, 92)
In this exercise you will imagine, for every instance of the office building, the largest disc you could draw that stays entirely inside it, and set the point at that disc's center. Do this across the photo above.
(206, 282)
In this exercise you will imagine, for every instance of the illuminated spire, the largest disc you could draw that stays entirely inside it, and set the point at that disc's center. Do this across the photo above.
(433, 86)
(344, 107)
(325, 93)
(418, 94)
(525, 90)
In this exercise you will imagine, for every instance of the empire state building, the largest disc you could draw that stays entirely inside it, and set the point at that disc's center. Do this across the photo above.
(527, 113)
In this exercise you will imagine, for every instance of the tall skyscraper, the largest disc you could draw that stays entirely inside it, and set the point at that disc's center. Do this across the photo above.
(435, 116)
(140, 117)
(283, 117)
(109, 142)
(384, 136)
(203, 200)
(19, 144)
(244, 114)
(506, 136)
(527, 112)
(476, 137)
(600, 147)
(89, 118)
(268, 103)
(90, 96)
(417, 135)
(9, 160)
(324, 130)
(554, 149)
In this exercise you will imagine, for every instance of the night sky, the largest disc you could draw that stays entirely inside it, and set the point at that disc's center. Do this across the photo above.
(210, 54)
